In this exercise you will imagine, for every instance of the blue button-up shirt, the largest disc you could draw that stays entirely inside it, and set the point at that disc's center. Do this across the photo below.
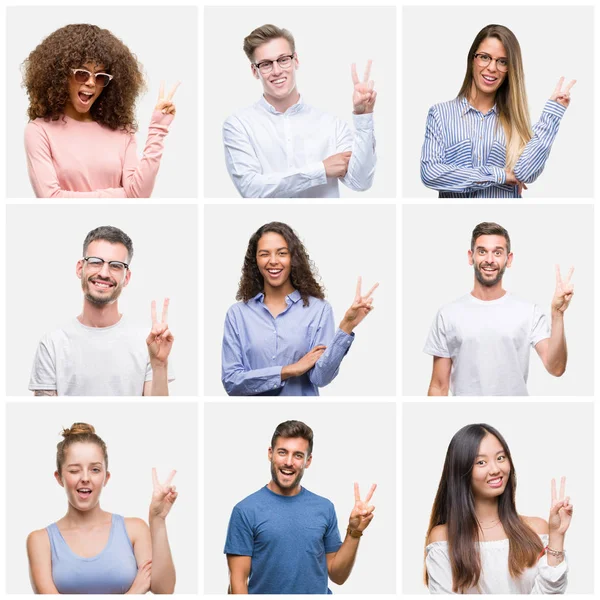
(256, 346)
(464, 153)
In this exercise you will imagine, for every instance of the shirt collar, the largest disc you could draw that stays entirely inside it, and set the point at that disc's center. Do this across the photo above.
(293, 297)
(292, 110)
(465, 107)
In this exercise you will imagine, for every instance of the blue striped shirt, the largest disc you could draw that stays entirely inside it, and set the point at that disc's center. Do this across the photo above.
(464, 153)
(256, 347)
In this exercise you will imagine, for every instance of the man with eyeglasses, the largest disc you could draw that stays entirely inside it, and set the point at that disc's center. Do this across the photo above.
(100, 353)
(283, 148)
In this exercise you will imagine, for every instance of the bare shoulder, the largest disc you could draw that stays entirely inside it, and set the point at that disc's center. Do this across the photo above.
(539, 525)
(38, 541)
(136, 528)
(438, 534)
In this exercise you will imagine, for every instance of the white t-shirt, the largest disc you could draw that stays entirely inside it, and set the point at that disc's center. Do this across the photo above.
(495, 577)
(77, 360)
(489, 343)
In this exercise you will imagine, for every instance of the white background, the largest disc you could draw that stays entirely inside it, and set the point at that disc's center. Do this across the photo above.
(165, 42)
(352, 442)
(546, 440)
(44, 243)
(435, 242)
(328, 41)
(555, 41)
(138, 437)
(343, 243)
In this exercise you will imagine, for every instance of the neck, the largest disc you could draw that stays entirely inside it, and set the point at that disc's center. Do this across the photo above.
(94, 315)
(480, 100)
(282, 104)
(77, 116)
(487, 293)
(274, 487)
(79, 518)
(277, 294)
(486, 510)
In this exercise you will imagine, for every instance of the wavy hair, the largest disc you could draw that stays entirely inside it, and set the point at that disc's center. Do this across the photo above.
(303, 274)
(46, 73)
(511, 97)
(454, 507)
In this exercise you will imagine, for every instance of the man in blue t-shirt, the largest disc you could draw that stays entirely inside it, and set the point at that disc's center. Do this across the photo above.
(284, 539)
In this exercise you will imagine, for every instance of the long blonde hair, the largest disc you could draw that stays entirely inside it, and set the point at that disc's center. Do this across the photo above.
(511, 97)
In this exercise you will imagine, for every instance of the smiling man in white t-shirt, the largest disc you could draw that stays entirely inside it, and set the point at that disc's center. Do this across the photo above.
(481, 342)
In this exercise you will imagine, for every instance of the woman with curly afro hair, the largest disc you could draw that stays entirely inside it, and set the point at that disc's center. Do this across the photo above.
(280, 339)
(82, 84)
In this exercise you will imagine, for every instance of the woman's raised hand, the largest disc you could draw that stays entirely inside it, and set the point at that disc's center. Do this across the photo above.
(563, 96)
(360, 308)
(561, 509)
(165, 103)
(163, 496)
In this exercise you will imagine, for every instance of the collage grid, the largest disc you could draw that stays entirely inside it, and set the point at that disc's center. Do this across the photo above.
(564, 419)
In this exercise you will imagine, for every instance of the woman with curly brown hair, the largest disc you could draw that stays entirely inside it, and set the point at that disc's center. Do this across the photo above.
(82, 84)
(280, 340)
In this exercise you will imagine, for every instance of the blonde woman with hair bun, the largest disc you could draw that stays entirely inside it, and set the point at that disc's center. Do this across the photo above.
(89, 550)
(481, 144)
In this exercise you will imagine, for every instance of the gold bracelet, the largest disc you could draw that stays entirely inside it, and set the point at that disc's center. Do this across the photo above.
(355, 533)
(556, 553)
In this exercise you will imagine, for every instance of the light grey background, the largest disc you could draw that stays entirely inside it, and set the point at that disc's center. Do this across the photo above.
(328, 40)
(352, 442)
(436, 272)
(44, 243)
(554, 40)
(343, 243)
(546, 440)
(165, 41)
(162, 435)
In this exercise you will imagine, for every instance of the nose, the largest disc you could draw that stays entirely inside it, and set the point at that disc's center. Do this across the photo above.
(273, 260)
(277, 70)
(493, 62)
(105, 270)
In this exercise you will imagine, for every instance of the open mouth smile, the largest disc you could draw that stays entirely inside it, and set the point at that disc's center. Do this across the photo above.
(101, 285)
(489, 79)
(84, 493)
(496, 482)
(85, 97)
(279, 82)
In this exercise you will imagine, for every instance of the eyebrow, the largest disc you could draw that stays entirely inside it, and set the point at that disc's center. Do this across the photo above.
(485, 455)
(271, 60)
(484, 248)
(79, 464)
(277, 249)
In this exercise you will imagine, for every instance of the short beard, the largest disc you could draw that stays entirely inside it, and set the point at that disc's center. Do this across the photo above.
(295, 483)
(99, 301)
(487, 282)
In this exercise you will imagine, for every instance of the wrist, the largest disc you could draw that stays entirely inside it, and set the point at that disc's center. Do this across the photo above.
(347, 326)
(158, 366)
(556, 541)
(353, 533)
(557, 314)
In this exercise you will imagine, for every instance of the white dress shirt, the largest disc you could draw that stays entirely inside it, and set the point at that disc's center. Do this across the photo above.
(280, 155)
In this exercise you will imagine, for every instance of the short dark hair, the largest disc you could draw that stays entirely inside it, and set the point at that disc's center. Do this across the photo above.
(294, 429)
(264, 34)
(488, 228)
(110, 234)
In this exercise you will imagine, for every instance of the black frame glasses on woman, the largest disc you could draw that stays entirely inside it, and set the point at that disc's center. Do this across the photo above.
(96, 263)
(483, 60)
(83, 76)
(266, 66)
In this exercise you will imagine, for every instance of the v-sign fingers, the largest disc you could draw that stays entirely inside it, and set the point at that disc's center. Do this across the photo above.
(558, 276)
(553, 492)
(563, 481)
(355, 79)
(155, 477)
(356, 493)
(368, 70)
(371, 290)
(570, 85)
(370, 494)
(165, 312)
(173, 90)
(569, 274)
(558, 87)
(170, 477)
(153, 311)
(358, 289)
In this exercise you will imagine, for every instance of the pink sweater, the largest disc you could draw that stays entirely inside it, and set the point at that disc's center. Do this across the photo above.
(75, 159)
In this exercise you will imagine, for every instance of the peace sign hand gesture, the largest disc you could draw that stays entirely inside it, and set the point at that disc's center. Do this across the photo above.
(360, 308)
(362, 513)
(163, 496)
(561, 510)
(364, 95)
(160, 339)
(563, 96)
(165, 103)
(564, 291)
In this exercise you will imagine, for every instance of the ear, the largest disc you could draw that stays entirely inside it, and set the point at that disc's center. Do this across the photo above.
(106, 478)
(470, 255)
(270, 454)
(509, 260)
(127, 278)
(296, 61)
(58, 478)
(254, 71)
(79, 268)
(308, 461)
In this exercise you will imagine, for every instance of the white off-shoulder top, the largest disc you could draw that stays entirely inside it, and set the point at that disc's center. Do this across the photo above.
(495, 577)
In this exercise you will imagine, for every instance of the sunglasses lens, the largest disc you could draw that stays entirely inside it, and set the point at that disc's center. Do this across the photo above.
(81, 76)
(102, 79)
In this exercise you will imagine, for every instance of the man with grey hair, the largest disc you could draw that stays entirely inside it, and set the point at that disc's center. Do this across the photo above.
(481, 342)
(99, 353)
(282, 147)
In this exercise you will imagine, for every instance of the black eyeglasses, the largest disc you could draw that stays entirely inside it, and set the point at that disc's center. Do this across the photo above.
(266, 66)
(83, 75)
(95, 263)
(483, 60)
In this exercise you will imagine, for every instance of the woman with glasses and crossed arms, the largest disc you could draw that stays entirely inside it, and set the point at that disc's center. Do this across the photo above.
(481, 144)
(82, 84)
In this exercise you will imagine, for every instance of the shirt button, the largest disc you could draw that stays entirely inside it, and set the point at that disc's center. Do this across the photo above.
(273, 357)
